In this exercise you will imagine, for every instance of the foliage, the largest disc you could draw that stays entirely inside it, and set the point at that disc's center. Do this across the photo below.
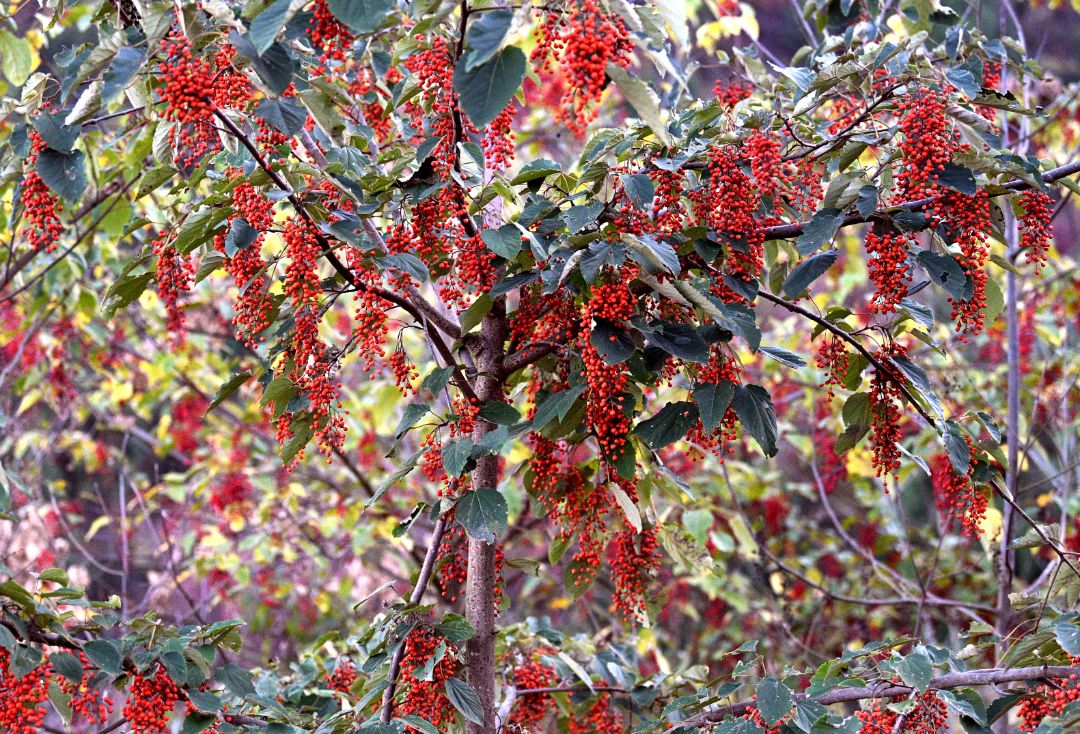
(700, 357)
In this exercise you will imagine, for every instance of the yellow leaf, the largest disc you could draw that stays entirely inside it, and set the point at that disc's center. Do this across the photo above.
(563, 602)
(120, 392)
(776, 581)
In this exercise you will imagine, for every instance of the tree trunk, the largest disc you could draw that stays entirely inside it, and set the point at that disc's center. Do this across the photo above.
(480, 584)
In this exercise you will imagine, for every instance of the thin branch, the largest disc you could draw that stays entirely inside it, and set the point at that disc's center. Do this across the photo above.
(984, 677)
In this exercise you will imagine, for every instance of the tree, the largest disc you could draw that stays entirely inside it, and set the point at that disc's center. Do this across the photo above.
(576, 306)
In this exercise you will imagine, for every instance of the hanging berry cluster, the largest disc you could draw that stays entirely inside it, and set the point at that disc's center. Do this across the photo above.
(958, 497)
(634, 557)
(1036, 230)
(253, 307)
(41, 207)
(583, 38)
(601, 718)
(929, 715)
(427, 698)
(22, 696)
(1048, 699)
(152, 697)
(531, 708)
(88, 702)
(175, 276)
(311, 366)
(728, 204)
(886, 400)
(606, 409)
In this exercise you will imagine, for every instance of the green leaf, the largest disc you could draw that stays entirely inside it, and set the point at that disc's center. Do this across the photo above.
(820, 229)
(773, 700)
(361, 16)
(856, 410)
(1067, 635)
(475, 313)
(643, 99)
(231, 385)
(611, 341)
(808, 271)
(754, 407)
(483, 514)
(204, 701)
(958, 178)
(484, 91)
(154, 178)
(504, 241)
(408, 263)
(556, 405)
(241, 235)
(484, 37)
(16, 58)
(465, 700)
(279, 392)
(947, 273)
(455, 628)
(123, 68)
(639, 189)
(499, 413)
(920, 380)
(67, 665)
(713, 401)
(58, 136)
(105, 654)
(455, 455)
(413, 412)
(196, 723)
(784, 357)
(63, 173)
(285, 115)
(540, 168)
(124, 291)
(236, 679)
(916, 670)
(669, 425)
(957, 449)
(267, 24)
(681, 340)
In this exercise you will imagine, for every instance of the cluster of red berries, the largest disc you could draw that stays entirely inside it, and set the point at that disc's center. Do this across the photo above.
(958, 497)
(253, 307)
(929, 715)
(343, 677)
(966, 218)
(601, 718)
(152, 698)
(312, 370)
(885, 412)
(634, 557)
(530, 708)
(887, 267)
(41, 206)
(187, 420)
(87, 701)
(175, 276)
(427, 698)
(584, 39)
(1036, 230)
(605, 411)
(720, 367)
(328, 35)
(498, 140)
(577, 507)
(234, 489)
(730, 93)
(831, 466)
(21, 697)
(729, 206)
(1048, 699)
(833, 359)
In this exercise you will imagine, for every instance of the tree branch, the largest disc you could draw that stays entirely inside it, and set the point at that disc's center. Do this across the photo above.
(985, 677)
